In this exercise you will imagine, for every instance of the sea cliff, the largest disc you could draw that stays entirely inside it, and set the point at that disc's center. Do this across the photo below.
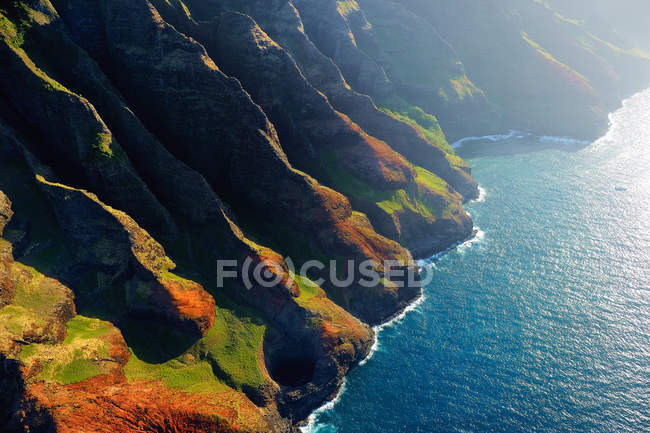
(144, 141)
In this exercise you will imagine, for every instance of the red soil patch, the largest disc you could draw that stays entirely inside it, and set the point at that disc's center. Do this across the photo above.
(191, 302)
(108, 404)
(373, 159)
(357, 232)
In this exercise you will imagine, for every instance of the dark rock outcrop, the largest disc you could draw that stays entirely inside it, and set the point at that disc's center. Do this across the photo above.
(5, 211)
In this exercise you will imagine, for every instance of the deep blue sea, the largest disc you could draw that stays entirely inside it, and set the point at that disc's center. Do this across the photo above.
(542, 323)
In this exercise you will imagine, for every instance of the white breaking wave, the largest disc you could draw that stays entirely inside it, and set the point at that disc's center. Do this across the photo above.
(482, 193)
(613, 129)
(412, 306)
(395, 320)
(478, 237)
(495, 137)
(519, 135)
(460, 245)
(373, 349)
(562, 140)
(311, 426)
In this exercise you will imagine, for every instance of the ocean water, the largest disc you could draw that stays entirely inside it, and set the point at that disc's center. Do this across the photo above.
(542, 323)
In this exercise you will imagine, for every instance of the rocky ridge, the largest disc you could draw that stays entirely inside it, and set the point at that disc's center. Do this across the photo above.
(142, 141)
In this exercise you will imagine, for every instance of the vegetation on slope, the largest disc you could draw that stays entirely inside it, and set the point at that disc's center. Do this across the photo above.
(228, 355)
(132, 132)
(540, 68)
(78, 357)
(425, 123)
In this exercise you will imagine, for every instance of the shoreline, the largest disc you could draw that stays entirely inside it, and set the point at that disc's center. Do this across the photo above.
(515, 135)
(310, 423)
(307, 425)
(609, 138)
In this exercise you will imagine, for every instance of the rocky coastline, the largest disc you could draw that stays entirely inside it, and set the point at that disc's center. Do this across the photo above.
(143, 143)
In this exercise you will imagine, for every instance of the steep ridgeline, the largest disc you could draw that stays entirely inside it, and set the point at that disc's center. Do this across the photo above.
(544, 71)
(399, 59)
(402, 201)
(421, 143)
(143, 141)
(625, 21)
(134, 154)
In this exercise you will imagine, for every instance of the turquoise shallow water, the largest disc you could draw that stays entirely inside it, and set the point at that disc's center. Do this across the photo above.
(543, 323)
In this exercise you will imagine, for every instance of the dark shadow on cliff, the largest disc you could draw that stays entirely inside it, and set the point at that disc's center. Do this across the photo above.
(154, 341)
(290, 362)
(17, 413)
(38, 241)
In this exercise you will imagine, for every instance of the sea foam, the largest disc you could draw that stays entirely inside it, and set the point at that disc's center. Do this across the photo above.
(519, 135)
(482, 193)
(392, 322)
(459, 246)
(311, 426)
(495, 137)
(562, 140)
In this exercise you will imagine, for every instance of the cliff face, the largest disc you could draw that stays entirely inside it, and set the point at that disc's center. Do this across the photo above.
(545, 71)
(399, 59)
(142, 141)
(624, 21)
